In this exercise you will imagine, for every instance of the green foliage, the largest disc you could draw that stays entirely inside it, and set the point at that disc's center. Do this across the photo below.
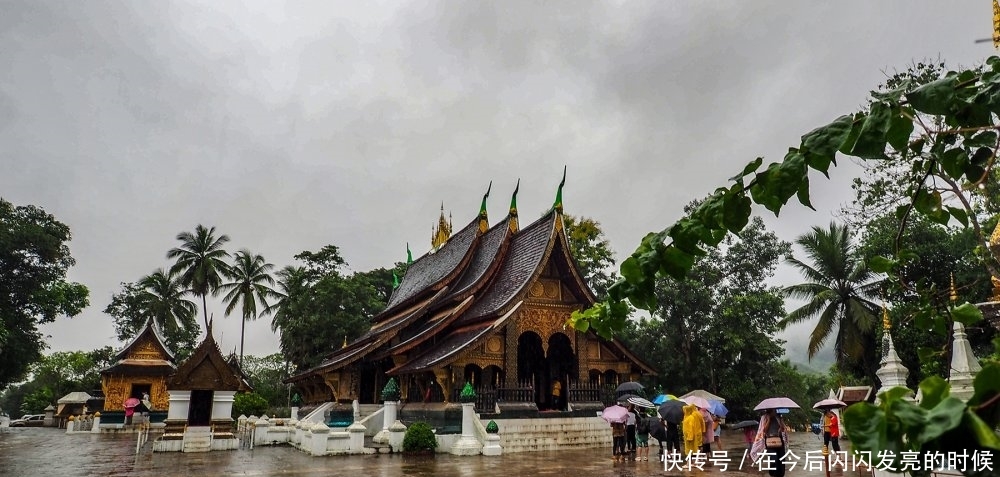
(160, 297)
(200, 261)
(34, 259)
(592, 253)
(419, 437)
(713, 330)
(249, 404)
(953, 119)
(265, 374)
(839, 291)
(56, 375)
(251, 283)
(320, 306)
(391, 391)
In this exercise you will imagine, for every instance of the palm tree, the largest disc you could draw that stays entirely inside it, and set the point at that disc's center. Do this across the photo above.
(163, 294)
(251, 283)
(200, 262)
(292, 281)
(839, 290)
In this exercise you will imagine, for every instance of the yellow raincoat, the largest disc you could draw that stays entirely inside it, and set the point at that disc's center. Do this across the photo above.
(693, 427)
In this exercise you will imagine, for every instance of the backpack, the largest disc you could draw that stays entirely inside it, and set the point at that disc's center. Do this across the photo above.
(642, 427)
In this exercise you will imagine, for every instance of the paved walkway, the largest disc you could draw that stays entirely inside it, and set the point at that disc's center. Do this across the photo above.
(51, 452)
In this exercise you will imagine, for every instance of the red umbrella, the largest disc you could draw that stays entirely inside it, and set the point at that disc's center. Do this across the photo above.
(132, 402)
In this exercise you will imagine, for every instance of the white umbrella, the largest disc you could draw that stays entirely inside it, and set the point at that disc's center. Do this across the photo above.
(641, 402)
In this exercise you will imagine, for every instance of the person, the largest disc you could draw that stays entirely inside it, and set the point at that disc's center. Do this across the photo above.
(618, 441)
(693, 428)
(717, 433)
(642, 437)
(831, 430)
(630, 420)
(673, 438)
(556, 394)
(771, 437)
(709, 435)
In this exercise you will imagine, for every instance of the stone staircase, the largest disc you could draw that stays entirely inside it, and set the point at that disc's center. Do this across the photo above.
(197, 439)
(532, 435)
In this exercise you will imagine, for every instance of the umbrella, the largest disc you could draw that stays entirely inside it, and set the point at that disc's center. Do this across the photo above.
(742, 424)
(657, 430)
(626, 397)
(776, 403)
(717, 408)
(703, 394)
(663, 398)
(672, 411)
(614, 414)
(630, 386)
(698, 401)
(829, 404)
(132, 402)
(640, 402)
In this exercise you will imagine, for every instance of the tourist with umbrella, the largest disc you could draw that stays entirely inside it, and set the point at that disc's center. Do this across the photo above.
(616, 415)
(772, 434)
(831, 424)
(694, 429)
(672, 414)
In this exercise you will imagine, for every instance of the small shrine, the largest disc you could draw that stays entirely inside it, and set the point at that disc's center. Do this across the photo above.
(140, 373)
(201, 394)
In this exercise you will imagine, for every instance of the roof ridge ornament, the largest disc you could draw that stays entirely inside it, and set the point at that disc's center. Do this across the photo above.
(514, 227)
(484, 221)
(441, 233)
(558, 204)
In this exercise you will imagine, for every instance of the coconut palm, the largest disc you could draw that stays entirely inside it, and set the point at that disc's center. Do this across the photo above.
(292, 282)
(251, 283)
(839, 290)
(200, 261)
(163, 296)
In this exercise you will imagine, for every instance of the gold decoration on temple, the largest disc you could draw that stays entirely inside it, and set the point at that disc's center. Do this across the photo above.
(953, 294)
(886, 324)
(442, 232)
(512, 223)
(484, 222)
(996, 24)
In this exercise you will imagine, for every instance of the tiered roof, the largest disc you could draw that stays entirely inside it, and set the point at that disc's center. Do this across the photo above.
(206, 368)
(463, 292)
(147, 354)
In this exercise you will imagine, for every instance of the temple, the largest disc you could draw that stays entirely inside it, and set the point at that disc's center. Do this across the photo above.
(488, 306)
(142, 368)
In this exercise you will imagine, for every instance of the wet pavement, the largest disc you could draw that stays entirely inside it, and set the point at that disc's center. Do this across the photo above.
(51, 452)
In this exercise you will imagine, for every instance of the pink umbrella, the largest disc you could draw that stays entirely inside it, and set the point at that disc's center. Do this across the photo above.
(614, 414)
(131, 402)
(698, 401)
(776, 403)
(829, 404)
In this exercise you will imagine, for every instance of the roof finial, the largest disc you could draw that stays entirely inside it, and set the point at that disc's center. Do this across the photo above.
(484, 221)
(886, 324)
(513, 208)
(442, 233)
(558, 205)
(952, 292)
(409, 255)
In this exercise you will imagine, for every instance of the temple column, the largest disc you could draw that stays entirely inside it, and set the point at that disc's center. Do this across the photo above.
(443, 378)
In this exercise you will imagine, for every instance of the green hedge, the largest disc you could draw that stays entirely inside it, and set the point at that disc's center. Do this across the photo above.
(419, 437)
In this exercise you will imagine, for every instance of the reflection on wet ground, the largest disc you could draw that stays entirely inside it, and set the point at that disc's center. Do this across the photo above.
(51, 452)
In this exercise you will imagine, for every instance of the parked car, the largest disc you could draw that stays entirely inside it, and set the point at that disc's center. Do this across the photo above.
(29, 420)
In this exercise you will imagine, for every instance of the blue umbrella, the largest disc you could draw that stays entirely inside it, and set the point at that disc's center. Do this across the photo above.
(717, 408)
(663, 398)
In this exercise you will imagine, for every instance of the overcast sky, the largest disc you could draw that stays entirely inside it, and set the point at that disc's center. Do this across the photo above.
(292, 126)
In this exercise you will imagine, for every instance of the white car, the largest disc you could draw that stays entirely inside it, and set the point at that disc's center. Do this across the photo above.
(29, 420)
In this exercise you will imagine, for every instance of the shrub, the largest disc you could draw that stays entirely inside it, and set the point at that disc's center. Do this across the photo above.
(419, 437)
(249, 404)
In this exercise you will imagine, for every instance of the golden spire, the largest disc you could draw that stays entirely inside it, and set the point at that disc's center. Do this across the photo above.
(886, 324)
(996, 24)
(484, 221)
(442, 233)
(953, 294)
(345, 342)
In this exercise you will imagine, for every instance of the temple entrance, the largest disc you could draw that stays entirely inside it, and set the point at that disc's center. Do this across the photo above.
(493, 376)
(531, 369)
(472, 375)
(562, 368)
(200, 407)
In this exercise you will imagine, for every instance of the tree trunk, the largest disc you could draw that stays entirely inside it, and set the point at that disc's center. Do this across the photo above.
(204, 307)
(242, 327)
